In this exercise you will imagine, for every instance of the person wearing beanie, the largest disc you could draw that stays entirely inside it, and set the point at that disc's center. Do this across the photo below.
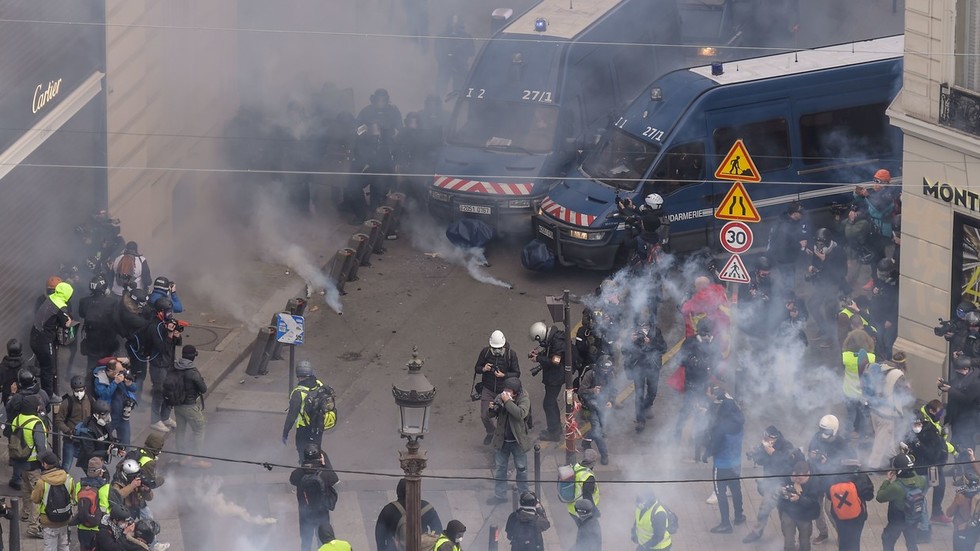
(511, 409)
(315, 494)
(586, 486)
(93, 503)
(188, 404)
(54, 495)
(451, 537)
(329, 540)
(130, 270)
(895, 490)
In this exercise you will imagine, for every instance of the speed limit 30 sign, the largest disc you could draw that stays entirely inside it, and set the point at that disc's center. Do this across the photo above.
(736, 237)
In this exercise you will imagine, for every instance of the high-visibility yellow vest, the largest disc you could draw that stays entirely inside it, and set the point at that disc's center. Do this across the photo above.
(582, 474)
(103, 504)
(335, 545)
(852, 380)
(847, 312)
(26, 422)
(72, 493)
(644, 526)
(303, 419)
(940, 429)
(443, 539)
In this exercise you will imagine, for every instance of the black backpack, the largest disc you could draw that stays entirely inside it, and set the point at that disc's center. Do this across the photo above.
(57, 502)
(174, 392)
(313, 492)
(318, 402)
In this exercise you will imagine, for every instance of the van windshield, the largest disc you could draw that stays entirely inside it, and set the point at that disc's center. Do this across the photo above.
(621, 160)
(508, 125)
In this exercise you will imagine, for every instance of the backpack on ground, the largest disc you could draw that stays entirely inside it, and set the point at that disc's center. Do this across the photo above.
(174, 392)
(126, 269)
(428, 538)
(319, 405)
(89, 515)
(915, 500)
(845, 503)
(17, 447)
(57, 501)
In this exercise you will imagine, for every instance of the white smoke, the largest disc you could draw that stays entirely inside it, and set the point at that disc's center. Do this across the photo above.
(209, 492)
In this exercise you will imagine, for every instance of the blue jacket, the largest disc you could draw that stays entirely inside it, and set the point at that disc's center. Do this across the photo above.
(726, 435)
(112, 392)
(158, 294)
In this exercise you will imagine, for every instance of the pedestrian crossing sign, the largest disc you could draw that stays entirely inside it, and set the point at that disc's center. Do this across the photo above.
(734, 271)
(737, 206)
(738, 165)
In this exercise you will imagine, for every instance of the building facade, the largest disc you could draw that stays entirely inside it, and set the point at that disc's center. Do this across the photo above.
(938, 109)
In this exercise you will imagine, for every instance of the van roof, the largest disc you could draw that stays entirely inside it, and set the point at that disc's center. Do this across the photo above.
(840, 55)
(562, 22)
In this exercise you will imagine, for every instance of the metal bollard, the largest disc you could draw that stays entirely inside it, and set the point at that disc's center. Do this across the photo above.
(340, 268)
(258, 363)
(494, 538)
(537, 470)
(373, 229)
(359, 242)
(14, 538)
(385, 215)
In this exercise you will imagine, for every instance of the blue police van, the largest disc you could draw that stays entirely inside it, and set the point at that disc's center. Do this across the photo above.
(539, 91)
(813, 122)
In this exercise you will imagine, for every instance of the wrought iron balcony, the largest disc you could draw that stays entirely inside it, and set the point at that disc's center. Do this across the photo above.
(959, 109)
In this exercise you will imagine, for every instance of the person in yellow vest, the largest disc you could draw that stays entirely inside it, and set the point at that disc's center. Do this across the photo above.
(297, 416)
(329, 541)
(88, 524)
(856, 422)
(854, 308)
(451, 537)
(650, 524)
(586, 486)
(27, 442)
(55, 495)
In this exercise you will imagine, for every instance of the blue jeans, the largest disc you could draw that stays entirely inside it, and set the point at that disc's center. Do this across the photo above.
(857, 417)
(595, 433)
(500, 458)
(123, 431)
(68, 452)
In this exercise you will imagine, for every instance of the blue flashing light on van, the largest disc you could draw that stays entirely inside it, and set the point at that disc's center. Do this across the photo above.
(813, 121)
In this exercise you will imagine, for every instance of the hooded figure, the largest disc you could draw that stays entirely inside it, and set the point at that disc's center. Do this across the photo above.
(589, 535)
(50, 319)
(525, 525)
(451, 537)
(390, 526)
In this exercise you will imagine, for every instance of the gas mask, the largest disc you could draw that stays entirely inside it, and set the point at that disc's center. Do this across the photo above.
(497, 351)
(459, 539)
(103, 420)
(917, 428)
(79, 394)
(705, 338)
(826, 434)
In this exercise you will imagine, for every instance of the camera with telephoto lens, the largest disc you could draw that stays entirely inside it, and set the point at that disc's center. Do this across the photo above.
(147, 480)
(945, 326)
(839, 209)
(536, 369)
(789, 491)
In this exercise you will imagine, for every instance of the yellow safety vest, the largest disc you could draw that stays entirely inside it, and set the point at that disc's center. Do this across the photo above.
(644, 526)
(303, 419)
(335, 545)
(103, 503)
(26, 422)
(941, 430)
(848, 313)
(852, 380)
(145, 457)
(72, 493)
(582, 474)
(443, 539)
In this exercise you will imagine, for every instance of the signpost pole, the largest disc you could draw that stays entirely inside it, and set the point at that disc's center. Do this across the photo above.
(292, 366)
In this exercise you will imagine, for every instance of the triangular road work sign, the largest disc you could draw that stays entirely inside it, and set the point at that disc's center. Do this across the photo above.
(738, 165)
(737, 206)
(734, 271)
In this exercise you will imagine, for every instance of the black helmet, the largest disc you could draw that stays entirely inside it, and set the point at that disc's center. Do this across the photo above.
(961, 309)
(14, 348)
(584, 508)
(304, 369)
(823, 235)
(972, 318)
(163, 304)
(311, 452)
(902, 461)
(528, 499)
(161, 283)
(763, 263)
(705, 326)
(886, 265)
(98, 285)
(604, 363)
(77, 382)
(138, 296)
(100, 407)
(963, 362)
(146, 530)
(25, 378)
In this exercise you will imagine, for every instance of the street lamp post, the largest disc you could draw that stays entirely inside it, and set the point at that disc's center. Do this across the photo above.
(559, 308)
(413, 396)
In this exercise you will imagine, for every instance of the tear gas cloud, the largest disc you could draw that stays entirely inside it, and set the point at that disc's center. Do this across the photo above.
(208, 492)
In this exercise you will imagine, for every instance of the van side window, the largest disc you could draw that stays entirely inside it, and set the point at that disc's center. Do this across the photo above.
(680, 165)
(767, 142)
(597, 92)
(829, 136)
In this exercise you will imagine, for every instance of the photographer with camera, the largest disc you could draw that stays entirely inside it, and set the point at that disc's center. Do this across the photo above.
(827, 453)
(597, 393)
(164, 338)
(955, 330)
(133, 488)
(510, 408)
(699, 357)
(649, 229)
(903, 491)
(776, 455)
(884, 305)
(495, 364)
(550, 358)
(525, 525)
(826, 274)
(164, 288)
(114, 384)
(799, 506)
(589, 343)
(963, 402)
(643, 362)
(965, 513)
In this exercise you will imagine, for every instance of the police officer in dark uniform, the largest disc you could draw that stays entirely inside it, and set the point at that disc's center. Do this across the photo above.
(643, 361)
(383, 112)
(597, 395)
(550, 357)
(296, 416)
(375, 162)
(884, 306)
(100, 339)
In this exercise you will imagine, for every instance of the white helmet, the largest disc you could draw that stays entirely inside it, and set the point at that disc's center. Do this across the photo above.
(654, 201)
(497, 339)
(539, 331)
(829, 423)
(130, 466)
